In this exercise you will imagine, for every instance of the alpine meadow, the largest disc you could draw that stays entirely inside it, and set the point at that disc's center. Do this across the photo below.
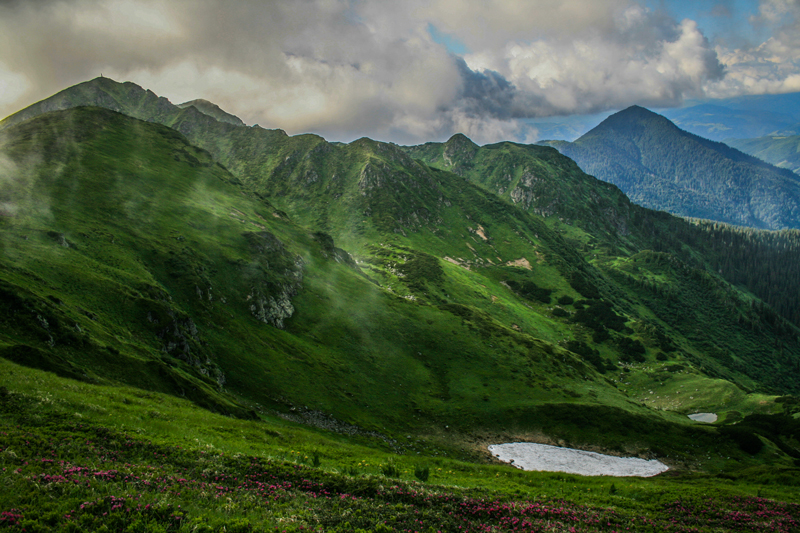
(208, 326)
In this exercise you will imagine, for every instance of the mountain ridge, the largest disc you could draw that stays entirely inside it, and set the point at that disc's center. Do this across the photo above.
(269, 160)
(740, 117)
(217, 327)
(662, 167)
(213, 110)
(435, 246)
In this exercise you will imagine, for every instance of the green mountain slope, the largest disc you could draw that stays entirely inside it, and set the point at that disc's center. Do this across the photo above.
(224, 365)
(781, 151)
(109, 231)
(460, 310)
(129, 253)
(93, 458)
(602, 222)
(662, 167)
(273, 163)
(213, 110)
(538, 180)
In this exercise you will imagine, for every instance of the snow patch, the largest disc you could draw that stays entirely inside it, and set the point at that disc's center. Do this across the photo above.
(704, 417)
(542, 457)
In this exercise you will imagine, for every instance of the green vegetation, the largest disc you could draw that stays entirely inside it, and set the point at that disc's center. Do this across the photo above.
(379, 319)
(603, 224)
(213, 110)
(82, 457)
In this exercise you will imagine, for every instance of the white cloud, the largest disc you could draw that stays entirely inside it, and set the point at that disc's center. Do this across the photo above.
(644, 58)
(347, 68)
(774, 11)
(491, 24)
(770, 67)
(122, 17)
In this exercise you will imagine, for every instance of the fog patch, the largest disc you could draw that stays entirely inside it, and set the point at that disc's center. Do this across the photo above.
(17, 188)
(8, 207)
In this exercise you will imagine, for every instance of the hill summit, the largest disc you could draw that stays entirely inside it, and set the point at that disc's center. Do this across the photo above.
(213, 110)
(662, 167)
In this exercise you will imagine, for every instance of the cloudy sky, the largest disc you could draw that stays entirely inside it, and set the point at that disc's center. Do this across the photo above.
(404, 70)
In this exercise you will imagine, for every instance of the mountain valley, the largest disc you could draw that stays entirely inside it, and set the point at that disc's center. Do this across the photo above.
(302, 304)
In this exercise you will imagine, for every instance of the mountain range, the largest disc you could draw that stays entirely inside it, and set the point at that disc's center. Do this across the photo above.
(740, 117)
(424, 296)
(716, 119)
(660, 166)
(168, 272)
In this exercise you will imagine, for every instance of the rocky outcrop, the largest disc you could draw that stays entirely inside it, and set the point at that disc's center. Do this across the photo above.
(272, 308)
(276, 276)
(330, 251)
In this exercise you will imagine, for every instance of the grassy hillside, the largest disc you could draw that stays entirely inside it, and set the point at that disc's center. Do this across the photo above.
(603, 223)
(81, 457)
(477, 316)
(281, 166)
(347, 306)
(213, 110)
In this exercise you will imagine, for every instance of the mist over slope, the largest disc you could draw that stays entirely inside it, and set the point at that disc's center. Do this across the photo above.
(270, 161)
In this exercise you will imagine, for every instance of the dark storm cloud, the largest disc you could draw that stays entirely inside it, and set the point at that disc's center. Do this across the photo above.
(486, 93)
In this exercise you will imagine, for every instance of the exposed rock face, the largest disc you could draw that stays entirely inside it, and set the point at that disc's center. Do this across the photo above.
(176, 336)
(272, 309)
(618, 221)
(373, 176)
(329, 249)
(181, 339)
(277, 276)
(59, 238)
(528, 193)
(406, 197)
